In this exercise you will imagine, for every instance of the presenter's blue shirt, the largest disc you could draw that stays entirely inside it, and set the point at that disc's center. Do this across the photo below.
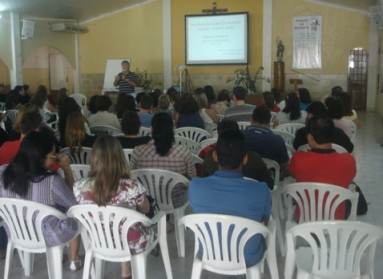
(230, 193)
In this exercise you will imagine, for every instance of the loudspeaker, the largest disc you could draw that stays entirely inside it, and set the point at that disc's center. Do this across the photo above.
(28, 28)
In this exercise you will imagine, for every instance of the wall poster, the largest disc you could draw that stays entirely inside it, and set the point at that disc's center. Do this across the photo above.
(307, 42)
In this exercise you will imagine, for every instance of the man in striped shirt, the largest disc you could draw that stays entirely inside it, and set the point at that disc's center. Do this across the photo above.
(126, 80)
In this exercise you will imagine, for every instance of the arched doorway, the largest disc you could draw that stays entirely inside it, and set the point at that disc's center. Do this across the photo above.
(357, 77)
(48, 66)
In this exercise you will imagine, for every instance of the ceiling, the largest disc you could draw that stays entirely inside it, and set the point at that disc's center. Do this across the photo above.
(81, 10)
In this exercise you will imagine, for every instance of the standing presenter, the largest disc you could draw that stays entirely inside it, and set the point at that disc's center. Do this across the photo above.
(126, 80)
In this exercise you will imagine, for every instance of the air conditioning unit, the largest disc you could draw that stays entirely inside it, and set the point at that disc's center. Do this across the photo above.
(67, 27)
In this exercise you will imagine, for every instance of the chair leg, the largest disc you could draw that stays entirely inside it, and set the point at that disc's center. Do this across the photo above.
(28, 263)
(179, 231)
(164, 248)
(99, 267)
(197, 268)
(88, 265)
(253, 272)
(8, 260)
(138, 263)
(54, 262)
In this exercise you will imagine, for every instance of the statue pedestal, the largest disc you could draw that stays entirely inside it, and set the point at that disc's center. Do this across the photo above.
(279, 75)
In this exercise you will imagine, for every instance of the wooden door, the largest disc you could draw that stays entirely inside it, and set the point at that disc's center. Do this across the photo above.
(357, 77)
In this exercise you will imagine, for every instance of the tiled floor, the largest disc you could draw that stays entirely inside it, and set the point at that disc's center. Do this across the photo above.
(369, 156)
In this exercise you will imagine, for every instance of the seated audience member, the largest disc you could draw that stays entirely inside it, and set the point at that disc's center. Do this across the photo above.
(124, 102)
(260, 138)
(36, 182)
(92, 105)
(207, 114)
(103, 117)
(144, 114)
(130, 126)
(254, 168)
(109, 183)
(304, 97)
(322, 163)
(75, 133)
(63, 94)
(335, 112)
(164, 104)
(292, 112)
(40, 97)
(222, 103)
(348, 112)
(209, 92)
(187, 112)
(228, 192)
(279, 101)
(241, 111)
(3, 134)
(155, 95)
(22, 95)
(14, 131)
(268, 97)
(335, 92)
(163, 153)
(31, 121)
(316, 109)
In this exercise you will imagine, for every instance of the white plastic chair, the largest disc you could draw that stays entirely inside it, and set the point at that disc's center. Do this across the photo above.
(112, 244)
(25, 222)
(193, 133)
(128, 152)
(145, 131)
(81, 101)
(336, 147)
(338, 249)
(243, 124)
(289, 127)
(12, 114)
(80, 171)
(160, 184)
(273, 118)
(105, 129)
(223, 239)
(287, 137)
(210, 127)
(193, 146)
(78, 157)
(353, 131)
(290, 150)
(207, 142)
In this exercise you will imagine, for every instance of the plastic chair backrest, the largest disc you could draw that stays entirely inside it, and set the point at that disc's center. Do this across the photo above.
(145, 131)
(289, 127)
(104, 129)
(210, 127)
(273, 118)
(274, 168)
(128, 152)
(79, 157)
(159, 184)
(12, 114)
(243, 124)
(207, 142)
(80, 171)
(193, 133)
(193, 146)
(290, 150)
(80, 99)
(223, 239)
(25, 221)
(287, 137)
(2, 106)
(318, 201)
(337, 247)
(336, 147)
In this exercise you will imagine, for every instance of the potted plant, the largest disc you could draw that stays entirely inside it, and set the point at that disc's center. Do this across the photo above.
(144, 80)
(242, 77)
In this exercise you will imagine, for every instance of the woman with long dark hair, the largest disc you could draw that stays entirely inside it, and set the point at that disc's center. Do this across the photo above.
(187, 112)
(292, 112)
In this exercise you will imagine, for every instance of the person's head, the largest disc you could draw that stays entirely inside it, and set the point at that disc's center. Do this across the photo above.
(40, 96)
(231, 151)
(261, 116)
(304, 95)
(315, 109)
(124, 102)
(334, 108)
(268, 97)
(130, 123)
(125, 65)
(239, 93)
(223, 96)
(171, 90)
(23, 109)
(227, 125)
(31, 121)
(92, 105)
(63, 94)
(187, 104)
(108, 166)
(19, 89)
(146, 102)
(155, 95)
(53, 97)
(103, 103)
(209, 91)
(293, 106)
(277, 95)
(201, 98)
(162, 132)
(345, 99)
(336, 90)
(74, 131)
(164, 102)
(68, 105)
(31, 163)
(320, 131)
(26, 89)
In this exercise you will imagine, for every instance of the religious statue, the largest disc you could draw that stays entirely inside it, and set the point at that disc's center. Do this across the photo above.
(280, 50)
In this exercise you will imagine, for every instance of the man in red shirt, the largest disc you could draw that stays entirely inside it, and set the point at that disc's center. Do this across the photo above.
(31, 121)
(322, 163)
